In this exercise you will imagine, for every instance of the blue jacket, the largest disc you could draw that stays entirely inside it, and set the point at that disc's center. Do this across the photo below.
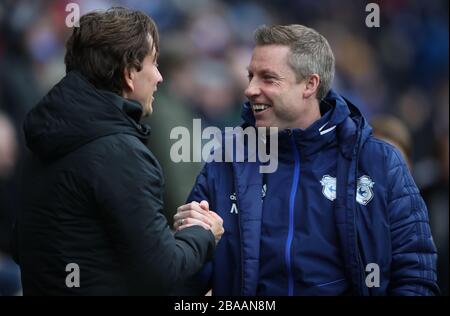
(378, 214)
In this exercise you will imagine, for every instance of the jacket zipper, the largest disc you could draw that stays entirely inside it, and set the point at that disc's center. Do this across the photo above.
(365, 290)
(240, 237)
(361, 282)
(294, 189)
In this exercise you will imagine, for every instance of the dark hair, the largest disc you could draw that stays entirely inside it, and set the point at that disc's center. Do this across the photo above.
(107, 42)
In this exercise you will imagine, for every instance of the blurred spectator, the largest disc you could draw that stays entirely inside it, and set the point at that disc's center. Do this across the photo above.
(9, 271)
(8, 147)
(436, 198)
(392, 130)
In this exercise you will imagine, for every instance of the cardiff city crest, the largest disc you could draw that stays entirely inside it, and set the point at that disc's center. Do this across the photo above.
(364, 193)
(329, 187)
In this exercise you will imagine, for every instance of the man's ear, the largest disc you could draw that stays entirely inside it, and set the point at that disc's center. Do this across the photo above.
(129, 77)
(312, 84)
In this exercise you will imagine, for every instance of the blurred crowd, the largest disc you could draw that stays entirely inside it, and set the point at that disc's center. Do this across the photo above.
(397, 74)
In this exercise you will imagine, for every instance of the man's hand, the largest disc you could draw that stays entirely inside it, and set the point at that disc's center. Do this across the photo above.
(195, 213)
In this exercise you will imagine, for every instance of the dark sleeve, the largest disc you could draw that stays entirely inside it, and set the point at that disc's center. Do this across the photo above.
(128, 189)
(14, 243)
(200, 283)
(414, 254)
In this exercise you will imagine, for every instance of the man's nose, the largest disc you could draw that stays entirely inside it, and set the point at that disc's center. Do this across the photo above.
(252, 89)
(160, 78)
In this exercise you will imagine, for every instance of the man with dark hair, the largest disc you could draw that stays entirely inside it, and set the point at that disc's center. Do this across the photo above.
(91, 220)
(340, 216)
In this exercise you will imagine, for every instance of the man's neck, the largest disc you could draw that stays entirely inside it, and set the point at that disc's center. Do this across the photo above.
(311, 114)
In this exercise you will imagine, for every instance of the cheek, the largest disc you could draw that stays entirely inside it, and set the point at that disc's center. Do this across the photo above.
(276, 96)
(271, 93)
(286, 105)
(141, 87)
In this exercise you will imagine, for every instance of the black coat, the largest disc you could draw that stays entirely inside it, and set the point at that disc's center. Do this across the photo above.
(92, 194)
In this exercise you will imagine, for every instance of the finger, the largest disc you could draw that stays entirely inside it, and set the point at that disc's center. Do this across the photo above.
(184, 207)
(215, 216)
(179, 220)
(204, 205)
(189, 225)
(190, 213)
(204, 217)
(176, 223)
(198, 214)
(196, 207)
(191, 206)
(187, 215)
(192, 221)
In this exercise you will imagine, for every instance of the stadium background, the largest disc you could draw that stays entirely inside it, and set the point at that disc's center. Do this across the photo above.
(397, 70)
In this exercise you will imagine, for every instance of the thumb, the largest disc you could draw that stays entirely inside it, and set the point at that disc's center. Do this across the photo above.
(204, 205)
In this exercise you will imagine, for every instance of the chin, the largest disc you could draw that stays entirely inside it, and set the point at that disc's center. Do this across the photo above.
(261, 124)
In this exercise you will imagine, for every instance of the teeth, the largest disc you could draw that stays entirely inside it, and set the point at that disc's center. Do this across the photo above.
(259, 107)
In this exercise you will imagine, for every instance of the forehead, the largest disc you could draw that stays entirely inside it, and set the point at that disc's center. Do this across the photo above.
(270, 57)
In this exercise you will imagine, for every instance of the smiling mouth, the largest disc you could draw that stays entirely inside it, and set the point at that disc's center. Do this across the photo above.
(258, 108)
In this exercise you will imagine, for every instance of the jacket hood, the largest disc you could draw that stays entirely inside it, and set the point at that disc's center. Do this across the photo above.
(74, 113)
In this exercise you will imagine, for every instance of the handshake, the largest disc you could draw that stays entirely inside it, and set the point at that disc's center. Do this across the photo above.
(195, 213)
